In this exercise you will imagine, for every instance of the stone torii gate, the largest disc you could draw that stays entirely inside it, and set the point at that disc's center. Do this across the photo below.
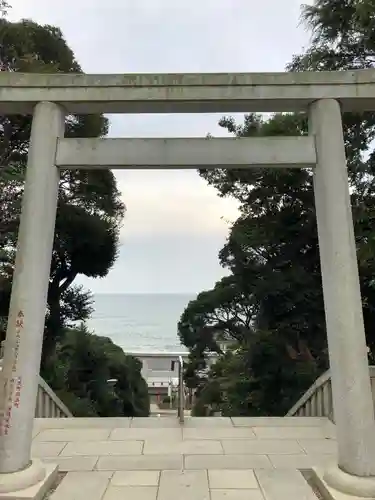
(323, 95)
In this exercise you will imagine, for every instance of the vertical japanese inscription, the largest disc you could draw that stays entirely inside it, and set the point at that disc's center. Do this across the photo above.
(13, 386)
(19, 327)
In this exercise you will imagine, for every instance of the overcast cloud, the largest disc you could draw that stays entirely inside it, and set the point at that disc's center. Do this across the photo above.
(175, 223)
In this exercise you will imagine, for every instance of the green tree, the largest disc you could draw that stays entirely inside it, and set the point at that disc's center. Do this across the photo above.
(89, 217)
(272, 249)
(85, 365)
(221, 316)
(277, 227)
(89, 208)
(260, 379)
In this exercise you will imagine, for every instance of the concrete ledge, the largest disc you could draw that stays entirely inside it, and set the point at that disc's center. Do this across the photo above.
(185, 153)
(334, 484)
(36, 491)
(187, 93)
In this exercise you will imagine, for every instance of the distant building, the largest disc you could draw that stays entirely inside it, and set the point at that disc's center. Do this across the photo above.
(160, 369)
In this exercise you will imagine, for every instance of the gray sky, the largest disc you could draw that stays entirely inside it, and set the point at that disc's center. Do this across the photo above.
(174, 226)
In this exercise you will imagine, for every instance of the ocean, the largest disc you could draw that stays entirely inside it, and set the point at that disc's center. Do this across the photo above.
(140, 322)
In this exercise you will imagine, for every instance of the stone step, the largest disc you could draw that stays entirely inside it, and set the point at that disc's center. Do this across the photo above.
(284, 484)
(186, 485)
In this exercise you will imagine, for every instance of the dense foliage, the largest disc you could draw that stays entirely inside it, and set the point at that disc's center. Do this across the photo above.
(94, 377)
(89, 217)
(272, 249)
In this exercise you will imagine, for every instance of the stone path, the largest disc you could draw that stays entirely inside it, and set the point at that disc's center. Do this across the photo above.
(208, 459)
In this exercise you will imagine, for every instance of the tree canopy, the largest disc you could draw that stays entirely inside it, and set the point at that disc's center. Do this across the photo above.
(94, 377)
(90, 210)
(272, 250)
(89, 217)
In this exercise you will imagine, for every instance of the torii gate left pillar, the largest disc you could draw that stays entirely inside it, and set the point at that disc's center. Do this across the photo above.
(23, 345)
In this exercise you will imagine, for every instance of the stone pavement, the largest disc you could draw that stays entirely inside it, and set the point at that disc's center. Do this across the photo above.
(207, 459)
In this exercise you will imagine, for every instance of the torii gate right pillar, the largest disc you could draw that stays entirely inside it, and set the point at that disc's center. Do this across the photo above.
(352, 397)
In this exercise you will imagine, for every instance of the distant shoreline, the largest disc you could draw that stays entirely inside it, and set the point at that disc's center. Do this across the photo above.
(140, 322)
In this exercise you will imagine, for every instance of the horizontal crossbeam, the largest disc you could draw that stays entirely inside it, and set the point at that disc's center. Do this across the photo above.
(187, 93)
(186, 153)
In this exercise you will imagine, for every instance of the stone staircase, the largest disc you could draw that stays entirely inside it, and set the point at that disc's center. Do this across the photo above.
(209, 458)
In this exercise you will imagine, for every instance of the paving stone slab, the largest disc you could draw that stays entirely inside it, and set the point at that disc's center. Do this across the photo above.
(261, 446)
(81, 423)
(289, 432)
(40, 449)
(279, 421)
(82, 486)
(236, 495)
(131, 493)
(140, 462)
(136, 478)
(232, 479)
(73, 435)
(143, 433)
(87, 448)
(207, 422)
(227, 462)
(155, 422)
(284, 485)
(183, 485)
(193, 447)
(300, 461)
(319, 446)
(77, 464)
(225, 432)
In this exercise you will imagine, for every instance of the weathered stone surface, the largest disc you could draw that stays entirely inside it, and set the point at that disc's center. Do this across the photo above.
(40, 449)
(232, 479)
(155, 423)
(136, 478)
(319, 446)
(210, 422)
(36, 491)
(224, 454)
(261, 446)
(227, 462)
(181, 93)
(131, 493)
(236, 495)
(145, 433)
(140, 462)
(284, 485)
(183, 485)
(82, 486)
(193, 447)
(81, 423)
(285, 432)
(102, 448)
(279, 422)
(73, 435)
(77, 463)
(299, 461)
(218, 433)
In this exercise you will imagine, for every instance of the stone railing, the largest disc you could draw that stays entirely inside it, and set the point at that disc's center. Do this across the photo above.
(48, 405)
(317, 401)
